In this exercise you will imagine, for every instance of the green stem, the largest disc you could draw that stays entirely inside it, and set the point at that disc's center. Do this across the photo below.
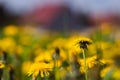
(56, 70)
(85, 66)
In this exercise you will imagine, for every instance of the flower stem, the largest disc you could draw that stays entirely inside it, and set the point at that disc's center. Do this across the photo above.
(85, 66)
(56, 71)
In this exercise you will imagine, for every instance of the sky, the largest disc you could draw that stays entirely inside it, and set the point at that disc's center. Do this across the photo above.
(91, 6)
(96, 5)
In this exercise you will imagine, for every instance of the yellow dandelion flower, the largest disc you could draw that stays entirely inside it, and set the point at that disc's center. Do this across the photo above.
(71, 47)
(39, 68)
(91, 62)
(7, 44)
(18, 49)
(105, 71)
(26, 66)
(63, 55)
(44, 56)
(84, 42)
(49, 56)
(10, 30)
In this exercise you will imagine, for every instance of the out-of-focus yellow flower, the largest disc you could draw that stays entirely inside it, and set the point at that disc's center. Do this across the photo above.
(2, 65)
(91, 62)
(116, 73)
(63, 55)
(7, 44)
(114, 58)
(10, 30)
(56, 63)
(105, 71)
(103, 45)
(44, 56)
(92, 50)
(47, 56)
(111, 52)
(18, 49)
(26, 66)
(40, 68)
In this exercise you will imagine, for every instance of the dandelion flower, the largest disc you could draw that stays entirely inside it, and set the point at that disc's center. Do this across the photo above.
(45, 56)
(7, 43)
(25, 66)
(39, 68)
(10, 30)
(84, 42)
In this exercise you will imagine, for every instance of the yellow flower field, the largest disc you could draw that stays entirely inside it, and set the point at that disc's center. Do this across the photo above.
(28, 54)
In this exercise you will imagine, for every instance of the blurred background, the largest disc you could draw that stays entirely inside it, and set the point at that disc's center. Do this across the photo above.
(60, 15)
